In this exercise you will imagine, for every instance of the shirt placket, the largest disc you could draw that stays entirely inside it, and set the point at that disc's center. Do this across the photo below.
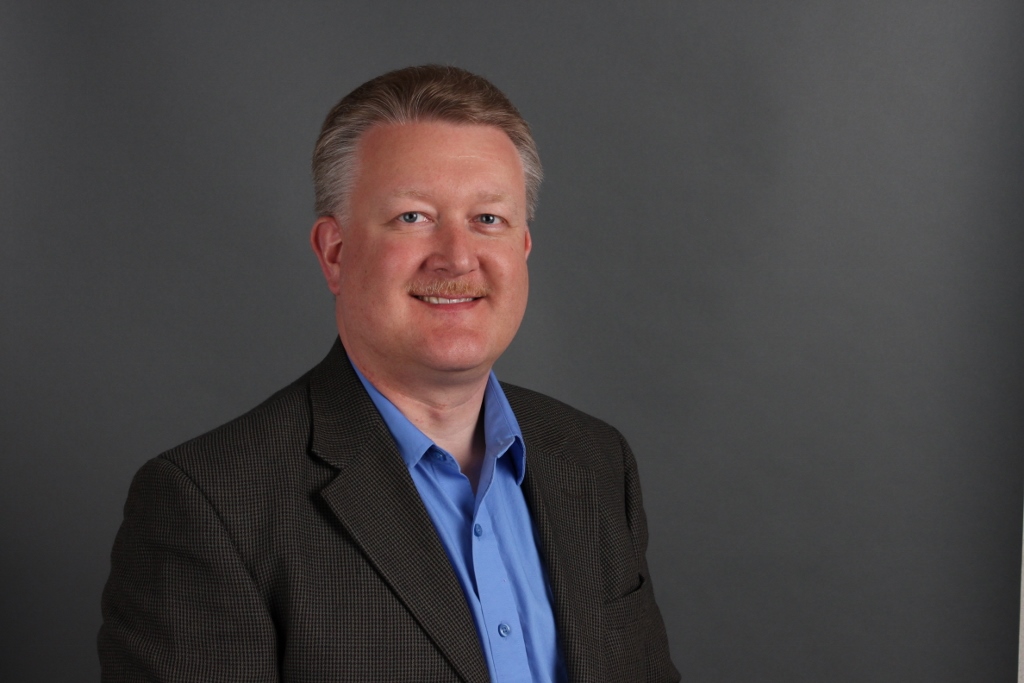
(502, 626)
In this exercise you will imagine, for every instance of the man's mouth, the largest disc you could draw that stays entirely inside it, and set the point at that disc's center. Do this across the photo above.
(448, 292)
(443, 301)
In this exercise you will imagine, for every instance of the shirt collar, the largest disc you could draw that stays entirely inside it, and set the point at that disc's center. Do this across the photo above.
(501, 429)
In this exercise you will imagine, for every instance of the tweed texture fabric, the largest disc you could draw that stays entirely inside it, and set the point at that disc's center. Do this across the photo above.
(291, 545)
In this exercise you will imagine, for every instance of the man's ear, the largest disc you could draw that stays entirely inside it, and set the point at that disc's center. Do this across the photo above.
(529, 243)
(325, 238)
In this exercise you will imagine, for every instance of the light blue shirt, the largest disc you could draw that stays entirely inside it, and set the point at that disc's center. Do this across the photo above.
(489, 538)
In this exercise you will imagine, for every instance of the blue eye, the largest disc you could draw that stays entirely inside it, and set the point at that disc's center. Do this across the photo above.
(488, 218)
(409, 217)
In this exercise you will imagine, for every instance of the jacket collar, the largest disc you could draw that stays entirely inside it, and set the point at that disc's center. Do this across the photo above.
(376, 502)
(561, 491)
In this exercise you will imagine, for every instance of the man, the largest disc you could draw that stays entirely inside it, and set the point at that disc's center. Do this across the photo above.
(396, 514)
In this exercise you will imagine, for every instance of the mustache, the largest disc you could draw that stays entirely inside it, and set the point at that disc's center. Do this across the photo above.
(449, 289)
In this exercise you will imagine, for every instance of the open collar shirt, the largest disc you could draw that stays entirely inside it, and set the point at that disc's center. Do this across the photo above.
(489, 538)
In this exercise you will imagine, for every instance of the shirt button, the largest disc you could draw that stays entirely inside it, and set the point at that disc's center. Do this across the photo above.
(504, 630)
(478, 530)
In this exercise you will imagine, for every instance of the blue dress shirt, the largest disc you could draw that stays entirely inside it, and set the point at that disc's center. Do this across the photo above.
(489, 538)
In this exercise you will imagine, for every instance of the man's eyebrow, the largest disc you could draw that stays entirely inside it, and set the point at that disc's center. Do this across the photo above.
(494, 197)
(415, 194)
(483, 196)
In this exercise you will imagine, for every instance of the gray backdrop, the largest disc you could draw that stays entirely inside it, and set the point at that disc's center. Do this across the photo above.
(779, 246)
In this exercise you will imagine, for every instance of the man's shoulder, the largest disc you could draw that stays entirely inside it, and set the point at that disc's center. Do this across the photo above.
(544, 415)
(279, 423)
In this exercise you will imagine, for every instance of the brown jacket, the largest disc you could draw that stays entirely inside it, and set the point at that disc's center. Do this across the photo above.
(291, 545)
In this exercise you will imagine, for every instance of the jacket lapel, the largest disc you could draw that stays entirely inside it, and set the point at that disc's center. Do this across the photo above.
(562, 496)
(375, 500)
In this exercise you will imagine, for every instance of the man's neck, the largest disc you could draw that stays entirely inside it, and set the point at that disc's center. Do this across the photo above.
(451, 415)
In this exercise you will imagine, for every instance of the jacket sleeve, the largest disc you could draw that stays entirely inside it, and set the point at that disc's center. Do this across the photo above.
(180, 605)
(659, 665)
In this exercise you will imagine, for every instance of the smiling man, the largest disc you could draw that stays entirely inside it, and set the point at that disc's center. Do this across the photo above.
(397, 514)
(427, 261)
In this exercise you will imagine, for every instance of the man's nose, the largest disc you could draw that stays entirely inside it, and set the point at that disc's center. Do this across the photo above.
(454, 252)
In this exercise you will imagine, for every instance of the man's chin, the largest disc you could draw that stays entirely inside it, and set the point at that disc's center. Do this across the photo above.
(456, 363)
(457, 367)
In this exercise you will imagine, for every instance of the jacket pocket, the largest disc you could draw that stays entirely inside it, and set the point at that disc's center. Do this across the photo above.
(622, 611)
(625, 635)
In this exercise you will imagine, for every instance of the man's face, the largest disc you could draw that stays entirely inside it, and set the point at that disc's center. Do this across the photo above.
(431, 280)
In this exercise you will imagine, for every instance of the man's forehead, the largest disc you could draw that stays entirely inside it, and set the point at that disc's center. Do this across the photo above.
(441, 161)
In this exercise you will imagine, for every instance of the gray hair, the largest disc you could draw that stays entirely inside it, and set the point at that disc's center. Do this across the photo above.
(416, 93)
